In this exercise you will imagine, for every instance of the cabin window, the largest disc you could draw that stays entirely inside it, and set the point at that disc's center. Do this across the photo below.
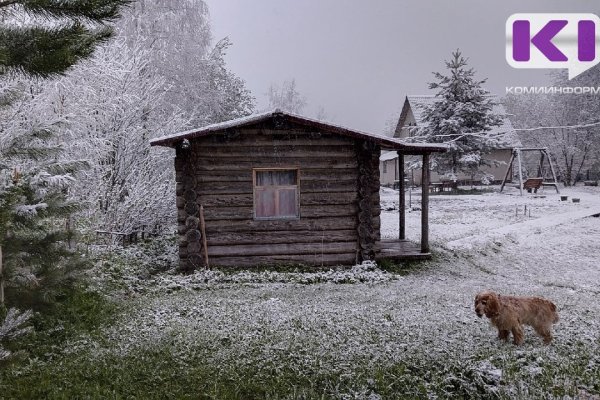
(384, 167)
(276, 194)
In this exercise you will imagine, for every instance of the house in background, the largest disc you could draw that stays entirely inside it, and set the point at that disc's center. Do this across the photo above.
(278, 188)
(388, 167)
(411, 118)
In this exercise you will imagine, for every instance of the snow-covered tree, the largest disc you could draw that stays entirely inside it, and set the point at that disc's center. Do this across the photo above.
(153, 79)
(40, 38)
(196, 81)
(34, 203)
(390, 124)
(227, 91)
(286, 97)
(462, 118)
(114, 102)
(14, 324)
(564, 123)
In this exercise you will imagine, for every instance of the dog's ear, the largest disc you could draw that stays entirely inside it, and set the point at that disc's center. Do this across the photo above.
(492, 307)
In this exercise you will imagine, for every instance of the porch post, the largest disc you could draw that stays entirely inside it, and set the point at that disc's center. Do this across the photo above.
(425, 205)
(402, 200)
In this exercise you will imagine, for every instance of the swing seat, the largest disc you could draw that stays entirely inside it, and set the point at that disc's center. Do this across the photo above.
(553, 184)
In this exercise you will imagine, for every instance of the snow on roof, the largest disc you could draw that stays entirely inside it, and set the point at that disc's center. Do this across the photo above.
(419, 103)
(394, 143)
(390, 155)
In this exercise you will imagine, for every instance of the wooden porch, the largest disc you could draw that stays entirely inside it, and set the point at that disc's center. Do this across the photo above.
(400, 250)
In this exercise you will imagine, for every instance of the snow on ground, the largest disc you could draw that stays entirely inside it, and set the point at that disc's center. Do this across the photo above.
(314, 322)
(454, 217)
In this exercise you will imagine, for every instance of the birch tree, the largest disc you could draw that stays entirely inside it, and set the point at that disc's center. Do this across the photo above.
(567, 124)
(116, 101)
(179, 40)
(286, 97)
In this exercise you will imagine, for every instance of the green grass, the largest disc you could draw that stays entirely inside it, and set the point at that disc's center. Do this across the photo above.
(403, 267)
(45, 365)
(158, 373)
(76, 312)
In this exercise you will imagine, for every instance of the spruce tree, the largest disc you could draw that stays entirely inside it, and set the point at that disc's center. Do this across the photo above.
(462, 118)
(39, 38)
(37, 264)
(57, 35)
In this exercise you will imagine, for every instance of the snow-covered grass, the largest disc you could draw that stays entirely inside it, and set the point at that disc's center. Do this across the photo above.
(354, 333)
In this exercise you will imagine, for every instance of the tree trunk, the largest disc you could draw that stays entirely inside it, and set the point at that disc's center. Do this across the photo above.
(1, 281)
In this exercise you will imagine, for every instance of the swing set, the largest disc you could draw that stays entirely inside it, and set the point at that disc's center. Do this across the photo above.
(531, 184)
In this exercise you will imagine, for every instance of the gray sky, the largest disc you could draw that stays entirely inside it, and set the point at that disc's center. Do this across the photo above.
(358, 59)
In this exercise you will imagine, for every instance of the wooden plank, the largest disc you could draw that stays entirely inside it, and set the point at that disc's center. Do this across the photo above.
(425, 205)
(306, 186)
(282, 249)
(339, 185)
(275, 237)
(306, 211)
(306, 259)
(306, 173)
(301, 162)
(225, 200)
(240, 152)
(302, 224)
(401, 198)
(261, 137)
(263, 141)
(325, 198)
(306, 199)
(400, 250)
(212, 188)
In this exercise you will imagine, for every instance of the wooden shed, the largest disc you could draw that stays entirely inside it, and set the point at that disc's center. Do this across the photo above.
(278, 188)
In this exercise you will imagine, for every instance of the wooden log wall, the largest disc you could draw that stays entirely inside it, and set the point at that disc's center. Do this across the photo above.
(221, 181)
(188, 212)
(367, 154)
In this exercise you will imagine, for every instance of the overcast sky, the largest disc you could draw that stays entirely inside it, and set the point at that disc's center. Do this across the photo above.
(358, 59)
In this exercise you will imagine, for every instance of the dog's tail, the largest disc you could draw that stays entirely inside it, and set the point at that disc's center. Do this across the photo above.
(553, 308)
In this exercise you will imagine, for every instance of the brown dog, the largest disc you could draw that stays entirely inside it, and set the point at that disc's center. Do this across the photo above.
(508, 314)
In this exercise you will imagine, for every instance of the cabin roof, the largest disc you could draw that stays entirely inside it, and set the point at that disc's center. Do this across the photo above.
(417, 104)
(214, 129)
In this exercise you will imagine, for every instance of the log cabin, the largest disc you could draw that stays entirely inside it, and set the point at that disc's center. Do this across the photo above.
(278, 188)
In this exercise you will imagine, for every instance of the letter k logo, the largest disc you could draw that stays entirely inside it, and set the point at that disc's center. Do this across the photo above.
(554, 41)
(542, 40)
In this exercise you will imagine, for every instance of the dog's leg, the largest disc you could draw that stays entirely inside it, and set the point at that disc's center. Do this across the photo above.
(503, 334)
(544, 332)
(517, 332)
